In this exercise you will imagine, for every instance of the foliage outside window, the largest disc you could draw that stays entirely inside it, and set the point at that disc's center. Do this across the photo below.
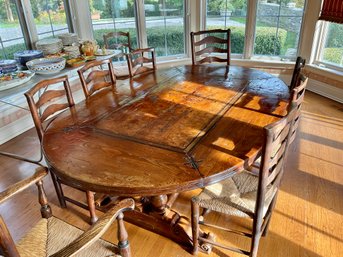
(165, 27)
(50, 17)
(224, 14)
(113, 15)
(11, 35)
(278, 26)
(332, 52)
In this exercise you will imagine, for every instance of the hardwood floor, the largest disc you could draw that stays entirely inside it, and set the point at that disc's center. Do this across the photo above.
(307, 221)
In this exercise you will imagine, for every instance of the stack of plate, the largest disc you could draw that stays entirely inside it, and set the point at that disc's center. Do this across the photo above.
(68, 38)
(8, 66)
(50, 45)
(72, 51)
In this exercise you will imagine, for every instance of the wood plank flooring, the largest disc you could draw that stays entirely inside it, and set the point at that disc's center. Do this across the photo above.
(307, 221)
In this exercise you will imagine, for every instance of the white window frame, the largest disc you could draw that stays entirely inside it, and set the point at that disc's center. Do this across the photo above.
(27, 23)
(322, 34)
(250, 30)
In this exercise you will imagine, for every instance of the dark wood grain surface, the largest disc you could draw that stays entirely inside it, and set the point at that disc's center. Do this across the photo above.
(165, 132)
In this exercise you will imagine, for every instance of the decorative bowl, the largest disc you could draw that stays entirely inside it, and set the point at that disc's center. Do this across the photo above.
(22, 57)
(46, 66)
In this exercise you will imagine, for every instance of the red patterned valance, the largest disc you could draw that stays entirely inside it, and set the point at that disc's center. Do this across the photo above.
(332, 10)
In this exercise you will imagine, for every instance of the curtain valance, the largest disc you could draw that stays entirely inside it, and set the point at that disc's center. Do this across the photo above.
(332, 10)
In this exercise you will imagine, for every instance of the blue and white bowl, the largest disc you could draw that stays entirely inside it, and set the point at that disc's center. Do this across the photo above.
(22, 57)
(46, 66)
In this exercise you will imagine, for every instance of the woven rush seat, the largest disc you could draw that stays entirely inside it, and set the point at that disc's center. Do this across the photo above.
(50, 235)
(234, 196)
(121, 72)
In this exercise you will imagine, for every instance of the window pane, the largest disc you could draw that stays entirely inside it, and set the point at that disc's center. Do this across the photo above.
(231, 14)
(50, 17)
(11, 35)
(165, 26)
(113, 15)
(278, 25)
(333, 49)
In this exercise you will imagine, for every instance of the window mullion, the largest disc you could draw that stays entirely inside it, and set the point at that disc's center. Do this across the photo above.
(188, 24)
(322, 40)
(26, 21)
(67, 10)
(140, 24)
(250, 28)
(82, 19)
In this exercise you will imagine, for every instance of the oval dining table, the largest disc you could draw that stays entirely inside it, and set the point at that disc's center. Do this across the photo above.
(164, 132)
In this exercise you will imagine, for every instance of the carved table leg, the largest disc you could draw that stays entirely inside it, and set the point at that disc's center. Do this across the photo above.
(159, 203)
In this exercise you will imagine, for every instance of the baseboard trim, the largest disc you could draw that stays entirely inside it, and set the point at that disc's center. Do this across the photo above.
(325, 90)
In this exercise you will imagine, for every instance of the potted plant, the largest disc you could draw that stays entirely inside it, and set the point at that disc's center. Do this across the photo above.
(226, 8)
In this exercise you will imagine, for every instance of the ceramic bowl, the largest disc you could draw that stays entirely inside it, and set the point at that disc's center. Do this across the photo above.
(46, 66)
(22, 57)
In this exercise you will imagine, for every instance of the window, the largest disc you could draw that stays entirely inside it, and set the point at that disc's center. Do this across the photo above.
(50, 17)
(165, 28)
(231, 14)
(332, 50)
(278, 26)
(11, 35)
(113, 15)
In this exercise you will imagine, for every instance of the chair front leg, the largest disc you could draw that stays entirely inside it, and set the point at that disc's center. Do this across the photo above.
(45, 208)
(91, 206)
(123, 244)
(195, 227)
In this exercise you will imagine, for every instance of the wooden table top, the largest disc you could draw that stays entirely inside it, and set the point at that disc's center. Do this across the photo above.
(178, 129)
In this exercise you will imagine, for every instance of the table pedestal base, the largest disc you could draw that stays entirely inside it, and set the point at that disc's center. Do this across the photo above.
(154, 214)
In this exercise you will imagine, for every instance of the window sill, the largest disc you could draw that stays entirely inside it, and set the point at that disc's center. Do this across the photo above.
(326, 75)
(263, 64)
(325, 70)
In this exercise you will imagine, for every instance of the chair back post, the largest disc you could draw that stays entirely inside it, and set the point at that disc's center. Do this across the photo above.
(299, 65)
(153, 56)
(129, 64)
(45, 98)
(228, 36)
(90, 84)
(193, 48)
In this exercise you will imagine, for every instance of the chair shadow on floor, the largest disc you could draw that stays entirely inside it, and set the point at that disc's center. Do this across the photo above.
(285, 248)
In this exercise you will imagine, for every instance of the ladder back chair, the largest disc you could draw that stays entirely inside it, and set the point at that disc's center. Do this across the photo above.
(211, 42)
(52, 236)
(49, 99)
(93, 77)
(246, 194)
(141, 61)
(297, 98)
(299, 65)
(118, 40)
